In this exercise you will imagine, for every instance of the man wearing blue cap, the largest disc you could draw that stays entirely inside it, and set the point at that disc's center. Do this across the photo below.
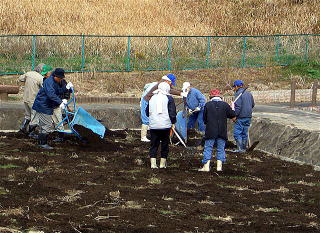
(243, 106)
(149, 88)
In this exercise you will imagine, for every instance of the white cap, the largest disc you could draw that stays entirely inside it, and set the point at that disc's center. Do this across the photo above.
(185, 85)
(165, 78)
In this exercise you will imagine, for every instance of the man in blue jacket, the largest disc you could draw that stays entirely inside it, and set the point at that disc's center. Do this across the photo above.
(243, 109)
(195, 102)
(46, 100)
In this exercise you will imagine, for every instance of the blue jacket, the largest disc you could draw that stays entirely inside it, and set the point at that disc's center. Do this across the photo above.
(48, 97)
(244, 105)
(195, 99)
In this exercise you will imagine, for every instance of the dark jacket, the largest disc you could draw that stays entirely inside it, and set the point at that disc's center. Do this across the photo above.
(215, 117)
(244, 105)
(48, 97)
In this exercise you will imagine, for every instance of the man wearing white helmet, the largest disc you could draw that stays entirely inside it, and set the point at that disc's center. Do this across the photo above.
(195, 102)
(161, 111)
(148, 90)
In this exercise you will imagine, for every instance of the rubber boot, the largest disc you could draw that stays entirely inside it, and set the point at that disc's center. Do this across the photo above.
(24, 126)
(239, 147)
(60, 137)
(244, 145)
(153, 162)
(32, 133)
(205, 168)
(144, 130)
(163, 163)
(219, 165)
(43, 141)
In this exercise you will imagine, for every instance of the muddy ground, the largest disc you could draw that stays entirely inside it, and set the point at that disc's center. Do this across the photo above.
(109, 187)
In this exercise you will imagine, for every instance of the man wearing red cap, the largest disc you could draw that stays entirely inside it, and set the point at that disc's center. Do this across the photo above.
(216, 113)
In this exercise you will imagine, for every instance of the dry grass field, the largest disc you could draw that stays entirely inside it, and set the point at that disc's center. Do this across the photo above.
(159, 17)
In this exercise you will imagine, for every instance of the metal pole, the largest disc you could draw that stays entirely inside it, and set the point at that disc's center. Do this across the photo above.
(293, 93)
(33, 56)
(128, 53)
(208, 52)
(82, 53)
(244, 49)
(169, 52)
(314, 93)
(306, 50)
(277, 50)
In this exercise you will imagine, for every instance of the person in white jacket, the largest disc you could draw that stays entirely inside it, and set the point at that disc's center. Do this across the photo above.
(161, 111)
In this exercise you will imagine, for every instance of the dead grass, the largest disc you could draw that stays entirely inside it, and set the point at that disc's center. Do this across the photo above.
(156, 17)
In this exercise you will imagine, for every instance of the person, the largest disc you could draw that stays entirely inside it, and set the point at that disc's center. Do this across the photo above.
(143, 106)
(149, 88)
(33, 82)
(215, 115)
(243, 108)
(46, 100)
(161, 111)
(195, 102)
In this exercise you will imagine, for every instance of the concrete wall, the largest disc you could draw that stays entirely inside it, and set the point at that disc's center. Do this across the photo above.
(286, 141)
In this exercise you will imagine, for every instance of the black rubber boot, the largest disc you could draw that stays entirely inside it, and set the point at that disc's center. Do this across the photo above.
(43, 141)
(24, 126)
(32, 133)
(60, 137)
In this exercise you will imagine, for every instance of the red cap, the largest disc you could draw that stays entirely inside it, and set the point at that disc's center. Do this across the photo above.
(214, 92)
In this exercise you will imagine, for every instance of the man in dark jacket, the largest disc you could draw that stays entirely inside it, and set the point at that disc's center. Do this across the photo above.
(216, 113)
(243, 109)
(47, 99)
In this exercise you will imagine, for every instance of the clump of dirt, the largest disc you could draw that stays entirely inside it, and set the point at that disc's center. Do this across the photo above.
(110, 187)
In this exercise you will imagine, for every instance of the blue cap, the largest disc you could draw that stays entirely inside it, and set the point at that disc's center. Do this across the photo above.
(172, 78)
(238, 83)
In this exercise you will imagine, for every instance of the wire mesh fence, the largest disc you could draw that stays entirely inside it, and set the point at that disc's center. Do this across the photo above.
(81, 53)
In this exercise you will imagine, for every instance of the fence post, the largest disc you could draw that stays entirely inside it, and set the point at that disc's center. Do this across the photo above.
(277, 50)
(128, 53)
(244, 50)
(293, 93)
(82, 53)
(169, 52)
(33, 56)
(314, 93)
(208, 51)
(306, 50)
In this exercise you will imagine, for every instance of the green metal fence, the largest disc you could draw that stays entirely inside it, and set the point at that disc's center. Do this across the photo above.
(77, 53)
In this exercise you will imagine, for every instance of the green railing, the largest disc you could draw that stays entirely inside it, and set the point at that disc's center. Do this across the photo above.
(82, 53)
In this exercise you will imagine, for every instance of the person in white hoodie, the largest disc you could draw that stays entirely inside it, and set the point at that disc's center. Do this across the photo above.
(161, 111)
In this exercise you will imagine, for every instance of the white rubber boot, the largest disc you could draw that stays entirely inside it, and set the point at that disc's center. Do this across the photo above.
(206, 167)
(163, 163)
(153, 162)
(219, 165)
(144, 130)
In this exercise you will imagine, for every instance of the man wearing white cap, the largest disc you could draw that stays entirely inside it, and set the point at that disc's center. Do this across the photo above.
(161, 111)
(195, 102)
(148, 90)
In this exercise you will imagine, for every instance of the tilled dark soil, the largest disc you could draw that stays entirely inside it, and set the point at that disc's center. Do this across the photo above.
(109, 187)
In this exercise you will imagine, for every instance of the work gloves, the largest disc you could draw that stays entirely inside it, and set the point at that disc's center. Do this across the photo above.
(63, 104)
(184, 94)
(197, 109)
(69, 85)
